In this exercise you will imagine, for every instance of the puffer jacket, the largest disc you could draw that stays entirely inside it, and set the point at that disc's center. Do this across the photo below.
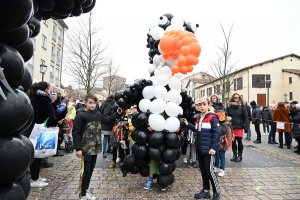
(207, 132)
(87, 131)
(296, 126)
(106, 109)
(217, 106)
(264, 113)
(256, 115)
(239, 115)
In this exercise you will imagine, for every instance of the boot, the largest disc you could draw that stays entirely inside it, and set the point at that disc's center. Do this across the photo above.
(112, 165)
(239, 158)
(234, 156)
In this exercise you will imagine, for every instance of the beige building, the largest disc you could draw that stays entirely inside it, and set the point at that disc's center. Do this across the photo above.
(48, 50)
(114, 83)
(252, 82)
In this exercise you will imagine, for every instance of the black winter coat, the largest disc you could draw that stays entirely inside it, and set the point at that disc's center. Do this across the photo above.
(256, 115)
(264, 113)
(293, 112)
(271, 122)
(296, 126)
(239, 115)
(106, 109)
(218, 106)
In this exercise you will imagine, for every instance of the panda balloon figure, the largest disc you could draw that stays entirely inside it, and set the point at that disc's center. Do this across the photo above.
(20, 21)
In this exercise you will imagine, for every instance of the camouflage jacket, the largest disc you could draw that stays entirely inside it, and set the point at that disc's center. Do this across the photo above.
(87, 131)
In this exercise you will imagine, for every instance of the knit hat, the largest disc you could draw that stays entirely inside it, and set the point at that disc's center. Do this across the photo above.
(294, 102)
(253, 103)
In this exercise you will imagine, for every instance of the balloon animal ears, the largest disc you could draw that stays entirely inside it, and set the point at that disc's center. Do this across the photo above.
(222, 115)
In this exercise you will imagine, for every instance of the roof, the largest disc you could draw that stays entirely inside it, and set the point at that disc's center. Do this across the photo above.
(63, 23)
(292, 71)
(258, 64)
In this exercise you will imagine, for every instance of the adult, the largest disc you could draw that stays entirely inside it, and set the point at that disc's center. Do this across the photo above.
(256, 120)
(282, 114)
(237, 111)
(248, 137)
(215, 103)
(106, 109)
(293, 113)
(265, 120)
(272, 134)
(296, 127)
(41, 101)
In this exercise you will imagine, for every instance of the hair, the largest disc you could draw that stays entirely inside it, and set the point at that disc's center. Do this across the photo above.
(214, 95)
(281, 104)
(111, 96)
(232, 98)
(43, 85)
(90, 96)
(33, 89)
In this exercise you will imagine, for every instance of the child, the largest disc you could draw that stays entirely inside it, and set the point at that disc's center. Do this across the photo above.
(225, 141)
(207, 144)
(87, 140)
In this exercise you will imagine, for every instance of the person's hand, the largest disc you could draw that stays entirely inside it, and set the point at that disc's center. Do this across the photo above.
(79, 154)
(119, 110)
(212, 152)
(149, 128)
(177, 130)
(60, 122)
(185, 121)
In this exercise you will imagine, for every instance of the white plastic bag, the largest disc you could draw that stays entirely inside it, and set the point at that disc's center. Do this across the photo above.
(44, 140)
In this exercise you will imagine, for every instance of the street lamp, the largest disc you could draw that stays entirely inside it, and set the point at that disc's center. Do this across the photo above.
(43, 69)
(268, 85)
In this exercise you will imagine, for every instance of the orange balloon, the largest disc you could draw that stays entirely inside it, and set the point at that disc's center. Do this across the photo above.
(172, 32)
(175, 69)
(169, 43)
(190, 59)
(186, 41)
(174, 43)
(190, 68)
(179, 44)
(181, 60)
(185, 50)
(183, 69)
(183, 34)
(194, 39)
(167, 32)
(163, 43)
(196, 61)
(195, 49)
(178, 32)
(190, 34)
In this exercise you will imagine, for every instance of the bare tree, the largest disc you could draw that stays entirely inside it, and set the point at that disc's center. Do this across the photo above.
(222, 67)
(87, 55)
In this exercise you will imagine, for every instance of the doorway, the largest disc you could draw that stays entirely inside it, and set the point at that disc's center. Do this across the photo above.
(261, 99)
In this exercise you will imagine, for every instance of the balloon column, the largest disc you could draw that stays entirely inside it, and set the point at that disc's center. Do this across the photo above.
(20, 21)
(174, 50)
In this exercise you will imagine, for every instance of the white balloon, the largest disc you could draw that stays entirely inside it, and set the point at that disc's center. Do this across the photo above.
(153, 79)
(171, 62)
(172, 27)
(157, 122)
(157, 33)
(172, 124)
(172, 109)
(144, 105)
(153, 25)
(163, 79)
(178, 75)
(180, 110)
(151, 68)
(148, 92)
(177, 21)
(160, 92)
(173, 95)
(194, 27)
(163, 20)
(166, 70)
(157, 72)
(178, 102)
(174, 83)
(157, 60)
(157, 106)
(160, 51)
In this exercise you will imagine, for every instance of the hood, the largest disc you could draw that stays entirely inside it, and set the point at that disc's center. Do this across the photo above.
(265, 107)
(235, 104)
(40, 94)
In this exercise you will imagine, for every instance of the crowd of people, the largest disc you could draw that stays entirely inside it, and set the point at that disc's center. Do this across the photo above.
(91, 127)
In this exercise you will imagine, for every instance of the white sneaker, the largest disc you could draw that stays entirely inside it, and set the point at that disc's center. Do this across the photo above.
(89, 195)
(83, 198)
(221, 173)
(216, 169)
(264, 133)
(184, 160)
(42, 179)
(118, 160)
(38, 184)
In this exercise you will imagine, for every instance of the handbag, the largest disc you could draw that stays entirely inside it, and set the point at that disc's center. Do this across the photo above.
(44, 140)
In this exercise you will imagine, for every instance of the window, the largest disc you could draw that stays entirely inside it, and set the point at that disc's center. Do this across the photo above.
(44, 41)
(239, 83)
(51, 74)
(234, 84)
(203, 91)
(53, 53)
(259, 80)
(290, 80)
(209, 91)
(58, 57)
(218, 89)
(46, 22)
(59, 36)
(291, 96)
(57, 77)
(54, 31)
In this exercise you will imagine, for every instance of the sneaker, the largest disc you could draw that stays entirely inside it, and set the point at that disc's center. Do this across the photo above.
(89, 195)
(184, 160)
(118, 160)
(192, 164)
(47, 165)
(104, 155)
(215, 169)
(162, 189)
(202, 194)
(42, 179)
(148, 185)
(264, 133)
(38, 184)
(216, 196)
(83, 198)
(221, 173)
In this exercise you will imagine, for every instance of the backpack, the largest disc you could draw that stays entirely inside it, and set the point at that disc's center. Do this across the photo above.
(119, 133)
(223, 137)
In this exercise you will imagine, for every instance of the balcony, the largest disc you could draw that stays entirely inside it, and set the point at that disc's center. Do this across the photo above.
(30, 67)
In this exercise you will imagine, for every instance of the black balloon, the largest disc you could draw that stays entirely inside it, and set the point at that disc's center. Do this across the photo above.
(25, 184)
(14, 14)
(183, 93)
(188, 98)
(141, 151)
(148, 83)
(26, 49)
(169, 16)
(142, 162)
(135, 170)
(77, 10)
(56, 16)
(144, 172)
(192, 107)
(88, 9)
(168, 155)
(28, 144)
(68, 4)
(87, 3)
(154, 153)
(118, 95)
(14, 111)
(156, 138)
(129, 161)
(171, 178)
(12, 63)
(181, 140)
(171, 140)
(15, 158)
(178, 154)
(44, 14)
(127, 92)
(121, 102)
(35, 20)
(60, 10)
(173, 166)
(12, 192)
(141, 136)
(46, 5)
(15, 37)
(26, 80)
(164, 168)
(163, 180)
(141, 120)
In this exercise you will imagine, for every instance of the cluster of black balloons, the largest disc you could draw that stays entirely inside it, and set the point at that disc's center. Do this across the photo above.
(20, 21)
(153, 44)
(188, 107)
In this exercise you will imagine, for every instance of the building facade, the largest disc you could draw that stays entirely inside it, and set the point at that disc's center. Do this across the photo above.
(48, 50)
(114, 83)
(268, 82)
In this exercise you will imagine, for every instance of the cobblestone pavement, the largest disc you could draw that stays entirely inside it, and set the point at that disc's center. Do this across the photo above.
(266, 172)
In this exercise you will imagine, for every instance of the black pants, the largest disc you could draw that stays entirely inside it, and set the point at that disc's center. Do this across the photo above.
(272, 134)
(88, 163)
(288, 139)
(206, 164)
(184, 146)
(257, 131)
(238, 147)
(35, 168)
(122, 152)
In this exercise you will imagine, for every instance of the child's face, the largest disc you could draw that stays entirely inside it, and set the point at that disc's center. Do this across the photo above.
(90, 104)
(202, 107)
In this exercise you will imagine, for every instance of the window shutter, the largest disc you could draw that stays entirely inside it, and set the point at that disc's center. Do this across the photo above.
(234, 84)
(254, 81)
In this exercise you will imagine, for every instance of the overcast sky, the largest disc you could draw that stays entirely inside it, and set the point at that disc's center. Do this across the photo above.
(263, 29)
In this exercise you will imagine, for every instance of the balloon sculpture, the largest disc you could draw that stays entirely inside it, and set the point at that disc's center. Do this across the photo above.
(161, 101)
(20, 21)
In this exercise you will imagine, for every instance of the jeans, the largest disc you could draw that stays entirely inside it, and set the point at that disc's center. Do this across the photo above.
(265, 125)
(220, 156)
(272, 134)
(106, 139)
(257, 129)
(288, 139)
(249, 133)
